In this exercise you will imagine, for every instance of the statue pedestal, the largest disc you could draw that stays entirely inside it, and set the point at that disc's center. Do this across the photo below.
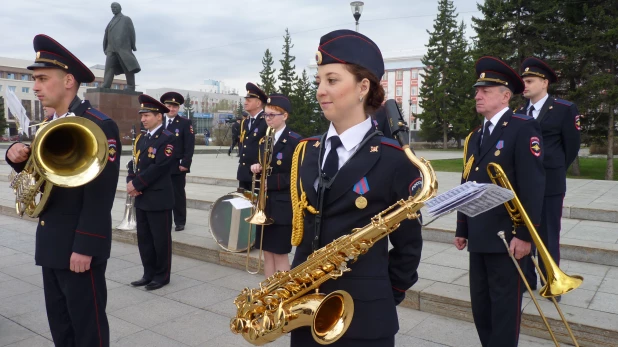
(120, 105)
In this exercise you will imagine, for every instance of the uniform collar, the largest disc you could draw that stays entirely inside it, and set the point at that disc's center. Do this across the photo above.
(155, 130)
(353, 136)
(278, 133)
(496, 118)
(539, 105)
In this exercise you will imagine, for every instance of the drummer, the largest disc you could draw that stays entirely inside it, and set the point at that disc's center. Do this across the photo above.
(276, 239)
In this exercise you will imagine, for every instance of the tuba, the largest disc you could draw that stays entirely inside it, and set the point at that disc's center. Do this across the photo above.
(290, 299)
(258, 216)
(67, 152)
(129, 221)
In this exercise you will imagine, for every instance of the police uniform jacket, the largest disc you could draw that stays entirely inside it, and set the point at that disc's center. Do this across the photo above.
(516, 144)
(184, 145)
(79, 219)
(278, 203)
(560, 127)
(250, 148)
(379, 278)
(153, 178)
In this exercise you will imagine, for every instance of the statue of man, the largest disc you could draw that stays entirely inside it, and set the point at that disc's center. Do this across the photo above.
(118, 45)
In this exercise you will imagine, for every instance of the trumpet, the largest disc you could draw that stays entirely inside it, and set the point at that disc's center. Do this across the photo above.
(129, 220)
(557, 282)
(258, 216)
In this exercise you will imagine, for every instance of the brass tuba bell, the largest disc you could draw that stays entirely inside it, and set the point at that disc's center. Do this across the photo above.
(67, 152)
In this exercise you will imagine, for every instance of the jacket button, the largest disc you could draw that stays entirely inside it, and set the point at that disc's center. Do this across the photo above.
(245, 146)
(243, 155)
(42, 223)
(477, 169)
(243, 164)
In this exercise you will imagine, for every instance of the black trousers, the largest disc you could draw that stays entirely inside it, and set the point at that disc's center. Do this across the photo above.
(549, 231)
(180, 198)
(75, 305)
(235, 143)
(496, 291)
(302, 337)
(245, 184)
(154, 240)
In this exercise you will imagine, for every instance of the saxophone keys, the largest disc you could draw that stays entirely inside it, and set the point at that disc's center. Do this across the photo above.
(328, 267)
(317, 273)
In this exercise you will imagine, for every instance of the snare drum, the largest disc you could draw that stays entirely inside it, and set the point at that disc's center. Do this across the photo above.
(228, 226)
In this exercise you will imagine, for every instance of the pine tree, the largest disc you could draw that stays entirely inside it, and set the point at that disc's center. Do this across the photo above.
(267, 75)
(239, 109)
(305, 116)
(287, 73)
(3, 124)
(438, 106)
(189, 107)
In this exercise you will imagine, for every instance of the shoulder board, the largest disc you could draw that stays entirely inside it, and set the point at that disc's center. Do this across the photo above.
(313, 138)
(295, 135)
(97, 114)
(183, 117)
(563, 102)
(474, 130)
(390, 142)
(167, 132)
(522, 116)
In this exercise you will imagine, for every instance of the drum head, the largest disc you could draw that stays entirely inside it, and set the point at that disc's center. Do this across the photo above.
(228, 226)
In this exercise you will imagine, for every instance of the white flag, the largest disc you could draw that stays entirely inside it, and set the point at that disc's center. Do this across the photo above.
(18, 110)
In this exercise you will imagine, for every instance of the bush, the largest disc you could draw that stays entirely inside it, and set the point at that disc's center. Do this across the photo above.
(596, 148)
(218, 136)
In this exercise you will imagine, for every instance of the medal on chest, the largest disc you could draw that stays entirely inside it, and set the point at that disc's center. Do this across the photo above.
(361, 188)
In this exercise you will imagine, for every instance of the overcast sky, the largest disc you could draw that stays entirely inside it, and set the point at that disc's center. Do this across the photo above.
(180, 43)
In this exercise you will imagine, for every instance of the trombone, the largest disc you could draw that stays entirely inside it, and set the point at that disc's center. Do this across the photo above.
(557, 282)
(258, 216)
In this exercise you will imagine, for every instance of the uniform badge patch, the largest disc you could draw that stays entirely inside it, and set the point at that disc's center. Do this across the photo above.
(415, 186)
(169, 149)
(535, 146)
(111, 150)
(373, 149)
(578, 124)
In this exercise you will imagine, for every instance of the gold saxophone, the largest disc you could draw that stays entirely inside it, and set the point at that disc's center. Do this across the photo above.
(291, 299)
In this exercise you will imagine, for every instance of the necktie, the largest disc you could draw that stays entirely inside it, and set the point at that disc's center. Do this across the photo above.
(169, 122)
(250, 121)
(485, 132)
(331, 164)
(530, 111)
(145, 142)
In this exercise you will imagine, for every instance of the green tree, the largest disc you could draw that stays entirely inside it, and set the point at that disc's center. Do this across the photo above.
(287, 73)
(239, 109)
(267, 75)
(188, 105)
(3, 124)
(305, 118)
(438, 106)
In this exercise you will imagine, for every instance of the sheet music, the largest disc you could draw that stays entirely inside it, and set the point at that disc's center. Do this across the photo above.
(470, 198)
(239, 203)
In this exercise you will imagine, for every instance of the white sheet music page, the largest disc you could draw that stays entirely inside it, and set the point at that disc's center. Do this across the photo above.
(470, 198)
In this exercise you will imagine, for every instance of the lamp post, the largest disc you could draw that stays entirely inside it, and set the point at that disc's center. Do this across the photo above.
(410, 122)
(357, 10)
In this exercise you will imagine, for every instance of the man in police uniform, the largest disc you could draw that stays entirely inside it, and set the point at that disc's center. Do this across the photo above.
(183, 153)
(73, 238)
(151, 185)
(560, 126)
(235, 136)
(514, 142)
(254, 128)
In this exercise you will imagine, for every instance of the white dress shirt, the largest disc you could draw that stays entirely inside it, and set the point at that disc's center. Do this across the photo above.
(537, 107)
(494, 120)
(154, 130)
(278, 134)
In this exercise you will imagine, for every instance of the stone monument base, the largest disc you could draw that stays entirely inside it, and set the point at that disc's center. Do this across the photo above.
(120, 105)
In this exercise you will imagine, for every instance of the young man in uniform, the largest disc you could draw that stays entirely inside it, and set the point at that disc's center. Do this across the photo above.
(182, 129)
(73, 238)
(560, 126)
(149, 181)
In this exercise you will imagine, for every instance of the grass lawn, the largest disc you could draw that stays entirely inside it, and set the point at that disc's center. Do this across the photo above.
(591, 168)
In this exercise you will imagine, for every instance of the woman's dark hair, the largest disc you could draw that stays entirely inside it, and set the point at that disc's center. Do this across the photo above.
(375, 96)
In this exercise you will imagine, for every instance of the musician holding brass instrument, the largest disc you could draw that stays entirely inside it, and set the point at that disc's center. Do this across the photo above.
(346, 178)
(150, 182)
(252, 131)
(275, 238)
(514, 142)
(75, 159)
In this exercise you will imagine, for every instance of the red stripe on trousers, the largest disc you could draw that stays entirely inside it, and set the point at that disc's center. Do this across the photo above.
(96, 308)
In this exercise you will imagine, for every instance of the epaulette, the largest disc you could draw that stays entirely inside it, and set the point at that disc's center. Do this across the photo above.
(97, 114)
(390, 142)
(167, 132)
(563, 102)
(295, 135)
(313, 138)
(522, 116)
(475, 129)
(183, 117)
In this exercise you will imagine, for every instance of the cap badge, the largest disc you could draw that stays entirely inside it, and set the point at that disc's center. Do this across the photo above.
(482, 75)
(318, 57)
(268, 100)
(38, 55)
(527, 69)
(173, 99)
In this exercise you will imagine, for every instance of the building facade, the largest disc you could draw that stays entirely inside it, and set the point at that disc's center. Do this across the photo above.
(402, 81)
(15, 76)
